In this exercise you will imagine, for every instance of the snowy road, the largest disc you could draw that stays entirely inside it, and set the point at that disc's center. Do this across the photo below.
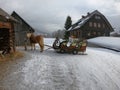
(99, 70)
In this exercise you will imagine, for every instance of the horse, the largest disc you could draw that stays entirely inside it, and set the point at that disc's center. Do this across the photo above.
(36, 39)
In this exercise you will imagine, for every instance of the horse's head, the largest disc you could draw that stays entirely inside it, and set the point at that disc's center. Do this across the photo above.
(29, 35)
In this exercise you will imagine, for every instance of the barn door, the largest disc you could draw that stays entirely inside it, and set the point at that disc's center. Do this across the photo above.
(4, 38)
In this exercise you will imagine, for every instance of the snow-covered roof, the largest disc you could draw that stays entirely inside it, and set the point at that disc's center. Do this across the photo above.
(84, 19)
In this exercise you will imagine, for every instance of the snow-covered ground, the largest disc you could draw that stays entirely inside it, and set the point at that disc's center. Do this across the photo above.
(107, 42)
(98, 70)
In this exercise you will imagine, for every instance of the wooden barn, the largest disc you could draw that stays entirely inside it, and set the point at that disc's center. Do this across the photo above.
(7, 34)
(92, 25)
(21, 29)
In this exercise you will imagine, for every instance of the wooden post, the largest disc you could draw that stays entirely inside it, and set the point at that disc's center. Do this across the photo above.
(25, 41)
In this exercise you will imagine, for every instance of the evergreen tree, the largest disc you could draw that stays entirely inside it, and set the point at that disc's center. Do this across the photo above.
(68, 24)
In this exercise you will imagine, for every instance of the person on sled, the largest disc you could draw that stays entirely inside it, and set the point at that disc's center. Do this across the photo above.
(72, 41)
(82, 43)
(56, 43)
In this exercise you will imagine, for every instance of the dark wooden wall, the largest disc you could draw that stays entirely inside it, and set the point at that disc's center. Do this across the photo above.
(7, 35)
(21, 29)
(90, 30)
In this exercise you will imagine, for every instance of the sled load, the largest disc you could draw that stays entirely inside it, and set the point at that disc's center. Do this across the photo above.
(74, 46)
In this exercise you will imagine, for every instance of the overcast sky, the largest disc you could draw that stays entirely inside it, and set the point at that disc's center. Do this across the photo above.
(50, 15)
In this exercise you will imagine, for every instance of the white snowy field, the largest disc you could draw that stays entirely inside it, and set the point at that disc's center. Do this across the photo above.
(98, 70)
(107, 42)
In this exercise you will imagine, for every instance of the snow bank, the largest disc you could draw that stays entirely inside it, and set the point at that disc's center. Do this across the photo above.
(107, 42)
(49, 41)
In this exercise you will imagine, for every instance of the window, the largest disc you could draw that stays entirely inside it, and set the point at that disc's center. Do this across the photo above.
(90, 24)
(89, 34)
(95, 25)
(99, 25)
(94, 33)
(97, 17)
(99, 33)
(78, 33)
(74, 33)
(103, 25)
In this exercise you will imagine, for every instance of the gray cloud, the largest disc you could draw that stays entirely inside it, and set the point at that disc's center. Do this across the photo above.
(50, 15)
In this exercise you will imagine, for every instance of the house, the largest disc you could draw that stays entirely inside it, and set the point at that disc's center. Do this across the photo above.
(92, 25)
(7, 34)
(21, 29)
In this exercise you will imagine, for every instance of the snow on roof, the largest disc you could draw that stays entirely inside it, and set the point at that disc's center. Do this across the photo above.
(107, 42)
(69, 28)
(83, 20)
(79, 23)
(77, 27)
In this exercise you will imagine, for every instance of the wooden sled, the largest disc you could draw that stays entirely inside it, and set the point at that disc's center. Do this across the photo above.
(74, 48)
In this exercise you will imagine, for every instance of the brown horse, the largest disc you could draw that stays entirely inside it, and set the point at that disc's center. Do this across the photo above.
(36, 39)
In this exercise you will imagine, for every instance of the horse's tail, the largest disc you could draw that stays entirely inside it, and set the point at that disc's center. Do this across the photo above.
(41, 43)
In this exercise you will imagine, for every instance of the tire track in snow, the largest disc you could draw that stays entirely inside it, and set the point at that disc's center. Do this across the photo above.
(60, 75)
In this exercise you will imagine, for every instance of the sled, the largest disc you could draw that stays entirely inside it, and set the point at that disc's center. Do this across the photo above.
(74, 48)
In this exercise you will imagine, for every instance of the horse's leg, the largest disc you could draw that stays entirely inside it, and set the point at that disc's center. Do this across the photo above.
(34, 47)
(41, 46)
(31, 46)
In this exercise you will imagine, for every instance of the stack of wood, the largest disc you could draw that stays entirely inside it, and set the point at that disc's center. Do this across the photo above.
(7, 34)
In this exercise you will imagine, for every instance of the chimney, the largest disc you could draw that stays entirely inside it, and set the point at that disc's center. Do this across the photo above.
(83, 16)
(88, 13)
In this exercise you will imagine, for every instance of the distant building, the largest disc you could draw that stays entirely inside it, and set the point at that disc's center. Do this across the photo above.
(115, 34)
(21, 29)
(92, 25)
(7, 34)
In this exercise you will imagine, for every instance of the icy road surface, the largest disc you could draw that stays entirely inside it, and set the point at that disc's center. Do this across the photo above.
(99, 70)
